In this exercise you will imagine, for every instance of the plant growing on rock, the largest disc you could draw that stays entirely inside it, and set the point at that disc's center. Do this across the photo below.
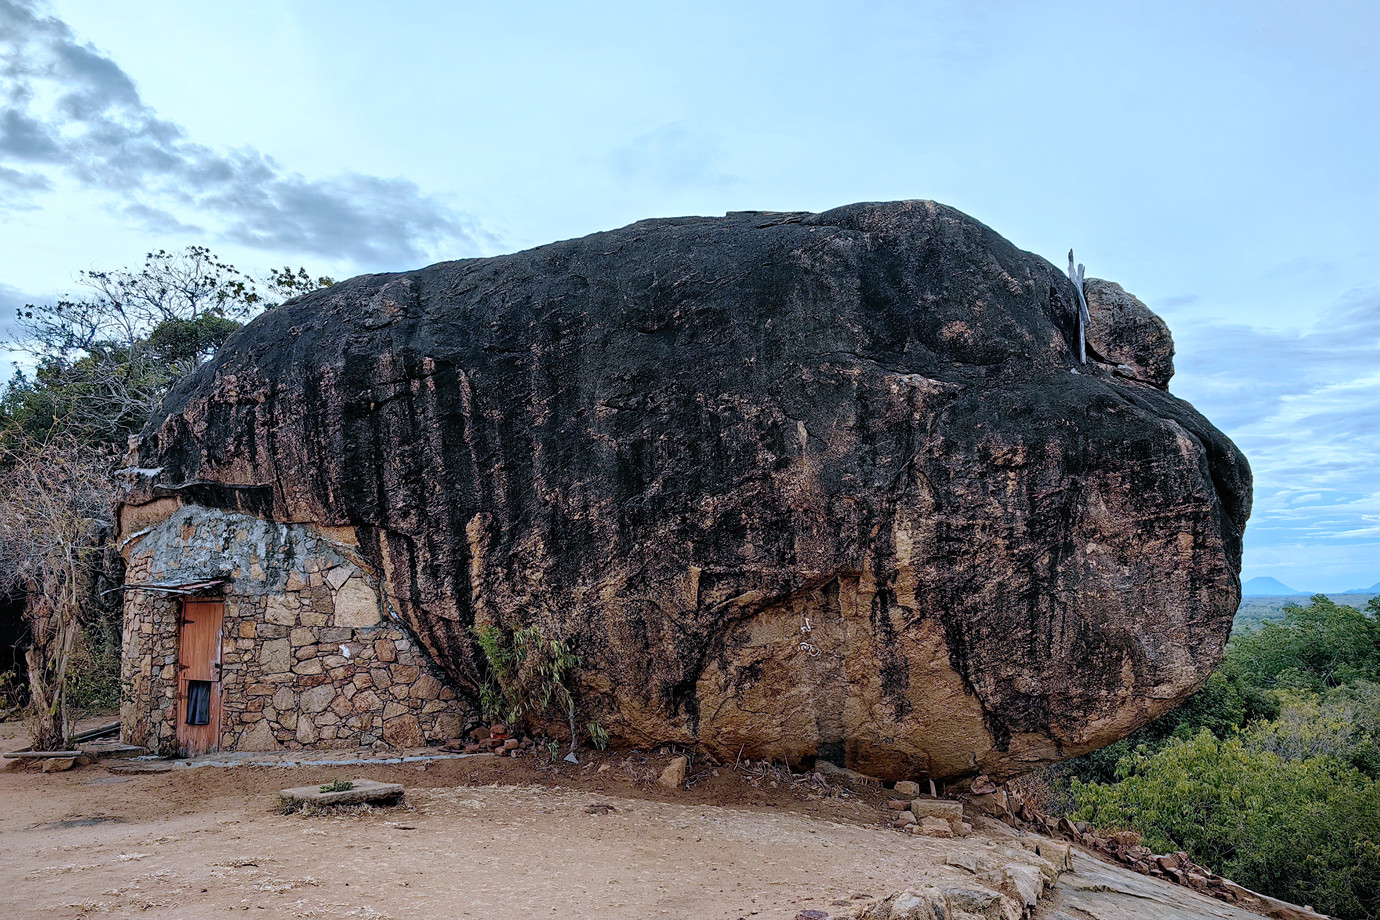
(527, 675)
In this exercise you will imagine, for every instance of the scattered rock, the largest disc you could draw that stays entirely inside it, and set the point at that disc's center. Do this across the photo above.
(935, 827)
(59, 764)
(982, 785)
(904, 819)
(980, 902)
(898, 805)
(674, 774)
(1023, 883)
(359, 791)
(907, 789)
(963, 859)
(1125, 332)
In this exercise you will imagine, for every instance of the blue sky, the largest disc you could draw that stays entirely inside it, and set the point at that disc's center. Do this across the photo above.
(1216, 159)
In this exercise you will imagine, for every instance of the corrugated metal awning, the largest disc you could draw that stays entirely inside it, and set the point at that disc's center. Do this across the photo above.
(196, 587)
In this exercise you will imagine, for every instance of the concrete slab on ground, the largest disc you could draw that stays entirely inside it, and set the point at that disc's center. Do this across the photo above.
(361, 791)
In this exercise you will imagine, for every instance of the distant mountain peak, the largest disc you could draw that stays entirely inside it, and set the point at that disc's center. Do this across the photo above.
(1264, 586)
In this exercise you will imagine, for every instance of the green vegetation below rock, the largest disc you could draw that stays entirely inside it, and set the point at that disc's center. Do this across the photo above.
(1271, 773)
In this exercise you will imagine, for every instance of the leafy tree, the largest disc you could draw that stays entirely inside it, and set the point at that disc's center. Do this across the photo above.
(1322, 645)
(54, 506)
(104, 360)
(1305, 830)
(1343, 723)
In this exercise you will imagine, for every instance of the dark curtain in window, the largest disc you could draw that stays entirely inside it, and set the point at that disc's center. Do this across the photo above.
(198, 702)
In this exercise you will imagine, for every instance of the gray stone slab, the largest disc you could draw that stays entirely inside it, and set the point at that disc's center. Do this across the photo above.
(362, 791)
(112, 749)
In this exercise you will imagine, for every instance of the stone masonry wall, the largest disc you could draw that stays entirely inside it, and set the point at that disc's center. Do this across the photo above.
(311, 656)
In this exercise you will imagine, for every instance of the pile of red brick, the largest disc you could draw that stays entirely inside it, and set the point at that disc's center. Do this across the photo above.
(490, 739)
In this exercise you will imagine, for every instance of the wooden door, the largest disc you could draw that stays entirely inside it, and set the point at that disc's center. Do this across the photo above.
(198, 673)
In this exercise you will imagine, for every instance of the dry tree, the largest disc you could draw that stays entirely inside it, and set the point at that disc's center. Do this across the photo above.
(54, 509)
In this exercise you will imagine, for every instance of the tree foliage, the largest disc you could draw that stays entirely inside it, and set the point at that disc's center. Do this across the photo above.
(1271, 773)
(54, 507)
(102, 361)
(98, 365)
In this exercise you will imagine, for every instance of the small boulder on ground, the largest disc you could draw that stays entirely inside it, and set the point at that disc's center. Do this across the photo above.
(674, 774)
(935, 827)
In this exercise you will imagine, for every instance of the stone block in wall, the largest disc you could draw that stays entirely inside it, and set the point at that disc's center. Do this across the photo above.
(356, 604)
(311, 617)
(301, 636)
(403, 731)
(308, 666)
(281, 610)
(316, 699)
(275, 656)
(425, 687)
(337, 576)
(258, 737)
(366, 701)
(385, 650)
(447, 725)
(335, 635)
(272, 631)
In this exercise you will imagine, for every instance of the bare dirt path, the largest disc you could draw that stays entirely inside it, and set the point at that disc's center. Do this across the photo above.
(478, 837)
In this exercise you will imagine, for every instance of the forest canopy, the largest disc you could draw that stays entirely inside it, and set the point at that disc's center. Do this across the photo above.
(1270, 775)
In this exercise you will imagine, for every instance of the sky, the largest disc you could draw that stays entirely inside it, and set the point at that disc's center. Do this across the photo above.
(1217, 159)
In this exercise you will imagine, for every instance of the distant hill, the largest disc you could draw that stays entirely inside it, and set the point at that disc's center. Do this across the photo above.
(1264, 586)
(1373, 589)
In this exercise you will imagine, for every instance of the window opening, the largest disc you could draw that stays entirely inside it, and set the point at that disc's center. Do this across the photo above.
(198, 702)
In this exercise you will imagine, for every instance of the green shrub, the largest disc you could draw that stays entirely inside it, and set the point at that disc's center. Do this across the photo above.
(1304, 830)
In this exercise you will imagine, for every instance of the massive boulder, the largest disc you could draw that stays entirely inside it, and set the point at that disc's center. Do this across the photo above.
(792, 485)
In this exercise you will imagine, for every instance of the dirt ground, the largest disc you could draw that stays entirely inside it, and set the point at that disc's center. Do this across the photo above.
(476, 837)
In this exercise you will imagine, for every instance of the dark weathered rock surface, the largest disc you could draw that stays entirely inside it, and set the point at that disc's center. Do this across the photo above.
(792, 484)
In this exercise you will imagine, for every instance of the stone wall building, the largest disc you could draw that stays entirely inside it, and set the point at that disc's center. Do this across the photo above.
(307, 653)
